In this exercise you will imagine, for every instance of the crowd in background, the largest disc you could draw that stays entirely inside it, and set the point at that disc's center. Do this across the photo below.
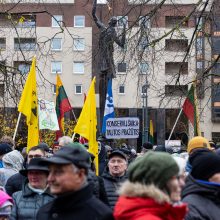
(157, 183)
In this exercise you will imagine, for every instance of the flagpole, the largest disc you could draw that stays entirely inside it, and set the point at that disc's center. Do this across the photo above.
(73, 136)
(174, 125)
(16, 129)
(74, 115)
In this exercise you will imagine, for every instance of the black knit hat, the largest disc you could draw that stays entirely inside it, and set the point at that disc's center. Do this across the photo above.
(5, 148)
(153, 168)
(147, 145)
(204, 164)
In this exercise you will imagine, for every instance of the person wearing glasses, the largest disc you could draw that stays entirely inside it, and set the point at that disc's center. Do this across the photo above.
(14, 183)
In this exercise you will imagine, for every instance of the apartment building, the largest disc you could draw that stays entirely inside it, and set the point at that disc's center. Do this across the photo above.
(64, 38)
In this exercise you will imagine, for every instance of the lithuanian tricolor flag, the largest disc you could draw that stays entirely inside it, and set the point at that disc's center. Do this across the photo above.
(62, 105)
(190, 108)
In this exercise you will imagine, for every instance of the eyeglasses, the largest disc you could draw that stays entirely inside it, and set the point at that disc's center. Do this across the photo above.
(35, 156)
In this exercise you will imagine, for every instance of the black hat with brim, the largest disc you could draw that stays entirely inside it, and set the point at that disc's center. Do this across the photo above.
(35, 164)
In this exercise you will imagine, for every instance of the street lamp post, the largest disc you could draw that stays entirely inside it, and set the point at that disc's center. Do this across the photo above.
(143, 116)
(145, 113)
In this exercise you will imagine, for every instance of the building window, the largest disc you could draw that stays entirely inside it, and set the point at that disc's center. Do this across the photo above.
(56, 44)
(176, 90)
(216, 137)
(22, 66)
(79, 21)
(144, 22)
(78, 89)
(57, 20)
(122, 67)
(3, 67)
(199, 22)
(176, 68)
(2, 90)
(56, 67)
(2, 43)
(26, 21)
(143, 43)
(216, 69)
(78, 67)
(176, 45)
(144, 67)
(79, 44)
(121, 21)
(25, 43)
(172, 21)
(199, 46)
(121, 89)
(215, 45)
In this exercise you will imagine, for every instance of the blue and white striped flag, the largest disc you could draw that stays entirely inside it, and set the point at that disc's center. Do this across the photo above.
(109, 106)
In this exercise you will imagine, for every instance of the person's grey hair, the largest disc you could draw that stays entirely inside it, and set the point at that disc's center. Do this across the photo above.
(65, 140)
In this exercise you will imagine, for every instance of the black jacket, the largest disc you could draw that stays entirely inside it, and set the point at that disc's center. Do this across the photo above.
(112, 185)
(14, 183)
(80, 205)
(203, 200)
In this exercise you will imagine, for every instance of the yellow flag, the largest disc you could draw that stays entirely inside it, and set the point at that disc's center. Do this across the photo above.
(87, 123)
(28, 106)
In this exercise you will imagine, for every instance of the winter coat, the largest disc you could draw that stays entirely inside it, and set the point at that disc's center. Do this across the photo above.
(146, 202)
(112, 185)
(80, 205)
(12, 162)
(14, 183)
(27, 203)
(203, 199)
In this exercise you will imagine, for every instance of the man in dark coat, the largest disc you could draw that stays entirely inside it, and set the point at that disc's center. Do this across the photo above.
(114, 175)
(68, 181)
(202, 188)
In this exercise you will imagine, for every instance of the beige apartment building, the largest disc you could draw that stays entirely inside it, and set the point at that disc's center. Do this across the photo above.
(64, 38)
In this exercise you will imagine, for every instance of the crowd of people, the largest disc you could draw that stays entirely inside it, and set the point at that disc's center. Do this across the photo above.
(157, 183)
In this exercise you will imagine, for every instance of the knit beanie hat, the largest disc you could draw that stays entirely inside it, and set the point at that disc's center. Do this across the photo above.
(5, 148)
(204, 164)
(153, 168)
(198, 142)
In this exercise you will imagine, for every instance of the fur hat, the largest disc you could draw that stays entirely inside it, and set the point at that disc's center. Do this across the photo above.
(153, 168)
(197, 142)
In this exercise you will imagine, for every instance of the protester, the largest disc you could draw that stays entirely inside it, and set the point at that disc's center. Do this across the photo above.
(147, 146)
(14, 183)
(114, 175)
(34, 194)
(4, 149)
(147, 193)
(6, 203)
(65, 140)
(195, 144)
(12, 163)
(202, 188)
(68, 181)
(181, 175)
(8, 140)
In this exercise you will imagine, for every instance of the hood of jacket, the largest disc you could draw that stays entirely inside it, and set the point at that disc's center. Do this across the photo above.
(209, 190)
(146, 202)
